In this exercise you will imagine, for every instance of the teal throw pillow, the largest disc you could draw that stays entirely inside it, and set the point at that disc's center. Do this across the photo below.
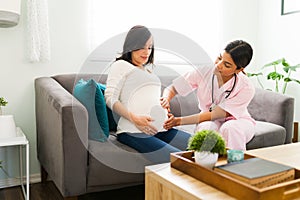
(101, 111)
(85, 92)
(112, 117)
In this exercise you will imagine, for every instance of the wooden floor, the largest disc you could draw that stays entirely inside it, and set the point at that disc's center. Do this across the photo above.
(48, 191)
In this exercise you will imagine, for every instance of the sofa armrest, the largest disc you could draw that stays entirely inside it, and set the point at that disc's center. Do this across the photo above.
(273, 107)
(62, 139)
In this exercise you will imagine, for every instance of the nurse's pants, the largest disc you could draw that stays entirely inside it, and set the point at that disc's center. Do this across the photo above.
(236, 133)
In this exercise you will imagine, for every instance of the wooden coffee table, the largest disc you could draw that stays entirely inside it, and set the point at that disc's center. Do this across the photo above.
(162, 182)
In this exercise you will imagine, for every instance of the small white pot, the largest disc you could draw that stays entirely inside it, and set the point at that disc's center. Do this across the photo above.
(206, 159)
(7, 126)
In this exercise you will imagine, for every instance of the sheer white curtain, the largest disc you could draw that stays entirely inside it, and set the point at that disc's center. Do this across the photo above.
(38, 31)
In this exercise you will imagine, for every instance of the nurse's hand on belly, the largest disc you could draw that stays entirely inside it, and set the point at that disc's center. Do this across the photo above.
(164, 102)
(171, 121)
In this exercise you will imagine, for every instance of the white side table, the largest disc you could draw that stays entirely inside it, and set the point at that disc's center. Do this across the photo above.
(21, 141)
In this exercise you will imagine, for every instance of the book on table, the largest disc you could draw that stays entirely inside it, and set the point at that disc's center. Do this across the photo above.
(258, 172)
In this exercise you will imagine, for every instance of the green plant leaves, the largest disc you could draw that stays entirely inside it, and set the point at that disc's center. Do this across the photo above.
(3, 102)
(284, 63)
(291, 68)
(254, 74)
(207, 140)
(276, 62)
(276, 76)
(292, 79)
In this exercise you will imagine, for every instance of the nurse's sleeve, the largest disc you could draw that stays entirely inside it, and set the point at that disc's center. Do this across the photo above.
(187, 83)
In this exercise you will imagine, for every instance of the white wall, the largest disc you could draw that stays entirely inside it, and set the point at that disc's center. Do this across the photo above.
(272, 36)
(67, 21)
(279, 37)
(258, 22)
(196, 19)
(239, 21)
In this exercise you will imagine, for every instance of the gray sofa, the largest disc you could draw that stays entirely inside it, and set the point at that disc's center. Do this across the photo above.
(77, 165)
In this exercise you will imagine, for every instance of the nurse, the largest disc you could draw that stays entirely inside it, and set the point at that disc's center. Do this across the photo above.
(224, 93)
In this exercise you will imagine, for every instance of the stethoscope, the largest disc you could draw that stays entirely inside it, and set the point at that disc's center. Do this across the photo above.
(226, 91)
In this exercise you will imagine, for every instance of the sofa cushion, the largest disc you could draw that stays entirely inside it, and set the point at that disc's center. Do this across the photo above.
(127, 164)
(68, 81)
(85, 92)
(112, 117)
(101, 111)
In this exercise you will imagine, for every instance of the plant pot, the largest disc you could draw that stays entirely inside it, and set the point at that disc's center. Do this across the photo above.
(206, 159)
(7, 126)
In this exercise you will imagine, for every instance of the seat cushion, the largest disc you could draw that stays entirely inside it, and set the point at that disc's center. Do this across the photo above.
(267, 134)
(113, 163)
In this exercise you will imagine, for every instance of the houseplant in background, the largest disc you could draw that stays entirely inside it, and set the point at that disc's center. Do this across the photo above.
(2, 103)
(207, 146)
(282, 74)
(7, 122)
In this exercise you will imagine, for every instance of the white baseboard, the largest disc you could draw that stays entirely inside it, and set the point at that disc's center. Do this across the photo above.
(11, 182)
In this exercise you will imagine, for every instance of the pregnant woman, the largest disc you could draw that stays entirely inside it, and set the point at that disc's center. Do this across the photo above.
(134, 92)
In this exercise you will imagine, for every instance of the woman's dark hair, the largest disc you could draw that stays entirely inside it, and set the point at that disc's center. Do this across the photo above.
(136, 39)
(241, 53)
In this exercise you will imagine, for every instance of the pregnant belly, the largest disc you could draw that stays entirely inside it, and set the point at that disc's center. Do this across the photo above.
(160, 116)
(146, 102)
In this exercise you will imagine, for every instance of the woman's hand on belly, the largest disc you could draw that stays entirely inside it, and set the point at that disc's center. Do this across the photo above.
(144, 124)
(149, 130)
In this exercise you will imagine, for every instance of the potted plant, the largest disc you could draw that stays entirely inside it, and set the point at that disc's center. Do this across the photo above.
(7, 123)
(2, 103)
(207, 146)
(281, 76)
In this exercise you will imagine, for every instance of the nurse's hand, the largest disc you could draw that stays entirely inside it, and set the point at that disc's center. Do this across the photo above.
(164, 102)
(171, 121)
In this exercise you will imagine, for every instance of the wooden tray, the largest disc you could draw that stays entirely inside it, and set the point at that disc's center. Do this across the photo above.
(184, 161)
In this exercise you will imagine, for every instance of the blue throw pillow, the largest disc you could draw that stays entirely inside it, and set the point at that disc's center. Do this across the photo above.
(85, 92)
(112, 117)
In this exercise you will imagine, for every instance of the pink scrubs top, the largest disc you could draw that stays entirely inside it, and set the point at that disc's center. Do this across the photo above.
(201, 80)
(234, 97)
